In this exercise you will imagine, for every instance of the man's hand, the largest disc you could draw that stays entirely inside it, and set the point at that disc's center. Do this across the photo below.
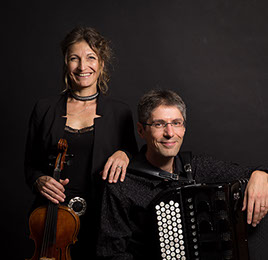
(115, 166)
(256, 197)
(51, 189)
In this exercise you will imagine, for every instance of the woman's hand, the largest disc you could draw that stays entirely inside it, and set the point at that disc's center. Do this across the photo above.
(115, 166)
(256, 197)
(51, 189)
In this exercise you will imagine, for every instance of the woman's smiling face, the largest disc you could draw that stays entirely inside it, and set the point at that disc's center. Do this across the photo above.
(84, 66)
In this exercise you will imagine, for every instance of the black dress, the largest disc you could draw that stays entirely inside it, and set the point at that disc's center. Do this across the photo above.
(77, 170)
(80, 144)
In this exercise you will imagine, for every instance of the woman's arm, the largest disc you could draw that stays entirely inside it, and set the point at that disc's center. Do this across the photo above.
(117, 163)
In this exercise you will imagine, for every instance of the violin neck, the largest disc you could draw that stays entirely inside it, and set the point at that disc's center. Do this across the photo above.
(57, 170)
(56, 174)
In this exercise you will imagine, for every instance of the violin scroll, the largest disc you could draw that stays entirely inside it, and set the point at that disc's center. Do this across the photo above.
(62, 148)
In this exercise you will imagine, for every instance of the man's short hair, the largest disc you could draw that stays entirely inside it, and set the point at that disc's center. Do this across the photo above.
(155, 98)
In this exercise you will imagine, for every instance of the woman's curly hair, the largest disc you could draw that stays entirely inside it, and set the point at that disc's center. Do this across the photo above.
(98, 44)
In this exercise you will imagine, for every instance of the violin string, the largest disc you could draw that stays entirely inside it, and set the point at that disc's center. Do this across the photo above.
(44, 253)
(50, 228)
(54, 227)
(54, 213)
(49, 237)
(49, 216)
(44, 244)
(53, 221)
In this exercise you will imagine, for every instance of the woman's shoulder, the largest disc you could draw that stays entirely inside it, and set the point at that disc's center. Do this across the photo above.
(46, 104)
(49, 101)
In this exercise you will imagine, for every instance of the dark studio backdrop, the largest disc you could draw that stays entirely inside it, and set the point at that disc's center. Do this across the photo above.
(212, 52)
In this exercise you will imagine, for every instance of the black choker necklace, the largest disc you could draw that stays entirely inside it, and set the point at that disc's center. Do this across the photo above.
(86, 98)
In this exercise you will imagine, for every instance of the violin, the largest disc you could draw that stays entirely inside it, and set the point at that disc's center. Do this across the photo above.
(54, 227)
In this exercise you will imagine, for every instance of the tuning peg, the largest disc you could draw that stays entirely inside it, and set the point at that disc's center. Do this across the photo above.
(69, 162)
(52, 157)
(69, 155)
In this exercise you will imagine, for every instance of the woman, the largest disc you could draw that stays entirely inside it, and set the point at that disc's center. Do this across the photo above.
(98, 129)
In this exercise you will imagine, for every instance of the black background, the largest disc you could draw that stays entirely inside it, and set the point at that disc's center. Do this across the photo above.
(212, 52)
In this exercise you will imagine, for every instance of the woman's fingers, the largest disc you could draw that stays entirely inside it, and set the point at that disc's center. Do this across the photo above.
(115, 167)
(52, 189)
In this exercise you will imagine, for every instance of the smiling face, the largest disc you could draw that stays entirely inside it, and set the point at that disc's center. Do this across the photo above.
(84, 67)
(162, 144)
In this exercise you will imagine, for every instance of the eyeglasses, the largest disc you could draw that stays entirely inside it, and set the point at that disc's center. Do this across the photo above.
(162, 124)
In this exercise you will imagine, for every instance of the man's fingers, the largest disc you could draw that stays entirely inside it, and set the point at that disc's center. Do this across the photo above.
(245, 200)
(256, 215)
(256, 197)
(250, 206)
(263, 210)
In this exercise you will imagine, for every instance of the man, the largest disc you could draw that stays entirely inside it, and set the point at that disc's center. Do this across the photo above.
(125, 221)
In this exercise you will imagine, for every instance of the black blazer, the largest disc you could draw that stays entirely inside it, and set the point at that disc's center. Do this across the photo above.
(113, 131)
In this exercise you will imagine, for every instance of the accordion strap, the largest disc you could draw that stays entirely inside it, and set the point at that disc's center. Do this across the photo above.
(186, 158)
(141, 165)
(144, 167)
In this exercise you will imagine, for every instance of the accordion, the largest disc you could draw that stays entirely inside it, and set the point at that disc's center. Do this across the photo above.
(201, 222)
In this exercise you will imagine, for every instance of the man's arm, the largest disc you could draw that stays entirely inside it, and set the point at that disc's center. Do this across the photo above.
(115, 229)
(209, 169)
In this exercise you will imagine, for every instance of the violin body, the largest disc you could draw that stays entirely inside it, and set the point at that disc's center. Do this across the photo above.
(68, 225)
